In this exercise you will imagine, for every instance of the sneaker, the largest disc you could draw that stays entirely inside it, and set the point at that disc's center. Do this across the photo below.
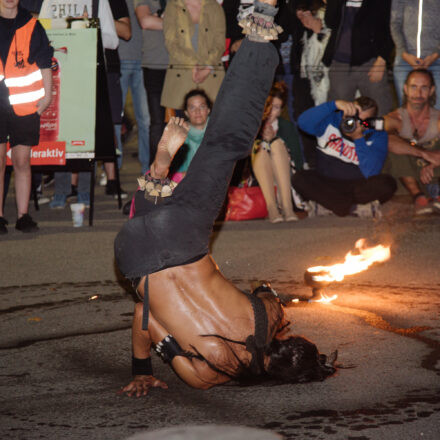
(73, 192)
(314, 209)
(436, 205)
(422, 206)
(26, 224)
(84, 198)
(103, 179)
(58, 201)
(368, 210)
(111, 189)
(3, 228)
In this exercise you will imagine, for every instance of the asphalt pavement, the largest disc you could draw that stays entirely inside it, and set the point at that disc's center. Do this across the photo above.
(65, 330)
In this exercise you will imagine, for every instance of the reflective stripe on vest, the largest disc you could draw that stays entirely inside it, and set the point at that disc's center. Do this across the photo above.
(23, 80)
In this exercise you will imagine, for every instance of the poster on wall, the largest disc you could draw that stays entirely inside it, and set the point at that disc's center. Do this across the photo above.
(67, 127)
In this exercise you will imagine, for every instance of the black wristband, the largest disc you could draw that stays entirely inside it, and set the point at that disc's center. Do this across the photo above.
(168, 348)
(141, 367)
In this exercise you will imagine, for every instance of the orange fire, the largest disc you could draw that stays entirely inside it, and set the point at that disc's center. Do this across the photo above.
(354, 263)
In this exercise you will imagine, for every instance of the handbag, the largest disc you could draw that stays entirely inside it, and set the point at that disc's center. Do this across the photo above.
(245, 203)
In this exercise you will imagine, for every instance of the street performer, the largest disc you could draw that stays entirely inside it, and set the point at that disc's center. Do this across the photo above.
(208, 330)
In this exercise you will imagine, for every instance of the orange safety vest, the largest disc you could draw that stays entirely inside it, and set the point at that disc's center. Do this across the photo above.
(23, 80)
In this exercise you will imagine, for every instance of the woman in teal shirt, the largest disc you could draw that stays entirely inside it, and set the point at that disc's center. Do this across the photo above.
(197, 107)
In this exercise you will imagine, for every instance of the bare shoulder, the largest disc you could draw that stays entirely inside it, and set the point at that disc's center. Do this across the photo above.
(393, 121)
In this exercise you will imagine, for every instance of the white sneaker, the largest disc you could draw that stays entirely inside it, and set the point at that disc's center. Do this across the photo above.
(103, 179)
(368, 210)
(316, 210)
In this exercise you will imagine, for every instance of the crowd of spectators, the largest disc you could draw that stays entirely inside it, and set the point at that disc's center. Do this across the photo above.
(327, 133)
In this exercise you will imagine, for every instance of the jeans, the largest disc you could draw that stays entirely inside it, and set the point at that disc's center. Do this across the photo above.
(154, 80)
(132, 77)
(401, 70)
(63, 186)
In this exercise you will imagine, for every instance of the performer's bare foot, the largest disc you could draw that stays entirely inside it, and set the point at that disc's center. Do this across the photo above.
(172, 139)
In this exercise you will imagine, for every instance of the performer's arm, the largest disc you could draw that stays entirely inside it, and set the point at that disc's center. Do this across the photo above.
(141, 345)
(194, 372)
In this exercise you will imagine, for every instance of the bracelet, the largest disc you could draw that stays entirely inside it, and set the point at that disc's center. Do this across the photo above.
(168, 349)
(141, 366)
(156, 188)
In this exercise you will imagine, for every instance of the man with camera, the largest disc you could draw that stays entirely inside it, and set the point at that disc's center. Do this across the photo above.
(352, 148)
(414, 141)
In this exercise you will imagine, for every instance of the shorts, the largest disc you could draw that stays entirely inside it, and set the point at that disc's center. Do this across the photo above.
(403, 165)
(19, 130)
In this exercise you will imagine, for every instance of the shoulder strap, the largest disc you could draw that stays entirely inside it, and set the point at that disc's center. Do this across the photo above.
(256, 344)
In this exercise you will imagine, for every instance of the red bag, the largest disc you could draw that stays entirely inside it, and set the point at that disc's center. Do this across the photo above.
(245, 203)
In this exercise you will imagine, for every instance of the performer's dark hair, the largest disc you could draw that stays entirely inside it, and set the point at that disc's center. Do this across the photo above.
(297, 360)
(196, 92)
(292, 360)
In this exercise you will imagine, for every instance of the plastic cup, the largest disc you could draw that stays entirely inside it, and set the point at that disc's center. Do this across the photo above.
(77, 214)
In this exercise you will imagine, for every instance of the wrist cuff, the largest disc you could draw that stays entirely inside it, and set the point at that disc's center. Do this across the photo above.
(168, 349)
(141, 367)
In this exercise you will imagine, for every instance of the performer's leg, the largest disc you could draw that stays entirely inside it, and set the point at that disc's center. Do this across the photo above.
(231, 130)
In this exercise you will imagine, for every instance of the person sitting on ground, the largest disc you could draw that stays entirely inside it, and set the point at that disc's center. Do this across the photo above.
(197, 107)
(350, 157)
(276, 144)
(25, 92)
(199, 322)
(414, 134)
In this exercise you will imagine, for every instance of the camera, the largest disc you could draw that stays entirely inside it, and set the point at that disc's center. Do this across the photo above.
(348, 123)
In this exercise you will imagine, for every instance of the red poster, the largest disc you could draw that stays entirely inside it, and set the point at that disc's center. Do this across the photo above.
(45, 153)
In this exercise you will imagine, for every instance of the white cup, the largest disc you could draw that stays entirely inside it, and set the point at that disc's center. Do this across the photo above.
(78, 24)
(77, 214)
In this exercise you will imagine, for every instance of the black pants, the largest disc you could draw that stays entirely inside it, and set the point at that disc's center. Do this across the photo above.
(340, 195)
(153, 81)
(177, 231)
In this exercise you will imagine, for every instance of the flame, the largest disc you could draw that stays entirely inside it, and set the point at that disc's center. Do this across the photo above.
(326, 299)
(365, 257)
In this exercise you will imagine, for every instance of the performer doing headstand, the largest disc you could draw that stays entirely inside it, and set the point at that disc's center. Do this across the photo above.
(207, 329)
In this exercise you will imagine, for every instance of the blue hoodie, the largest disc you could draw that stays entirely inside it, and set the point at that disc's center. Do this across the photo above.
(339, 157)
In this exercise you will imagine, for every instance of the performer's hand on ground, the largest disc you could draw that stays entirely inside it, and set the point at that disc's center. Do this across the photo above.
(140, 386)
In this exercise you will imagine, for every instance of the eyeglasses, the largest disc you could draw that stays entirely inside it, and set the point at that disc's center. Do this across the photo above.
(193, 108)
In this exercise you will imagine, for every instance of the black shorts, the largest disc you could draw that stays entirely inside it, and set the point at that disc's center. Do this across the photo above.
(177, 231)
(19, 130)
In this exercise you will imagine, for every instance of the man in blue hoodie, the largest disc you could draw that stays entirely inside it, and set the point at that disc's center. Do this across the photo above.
(350, 157)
